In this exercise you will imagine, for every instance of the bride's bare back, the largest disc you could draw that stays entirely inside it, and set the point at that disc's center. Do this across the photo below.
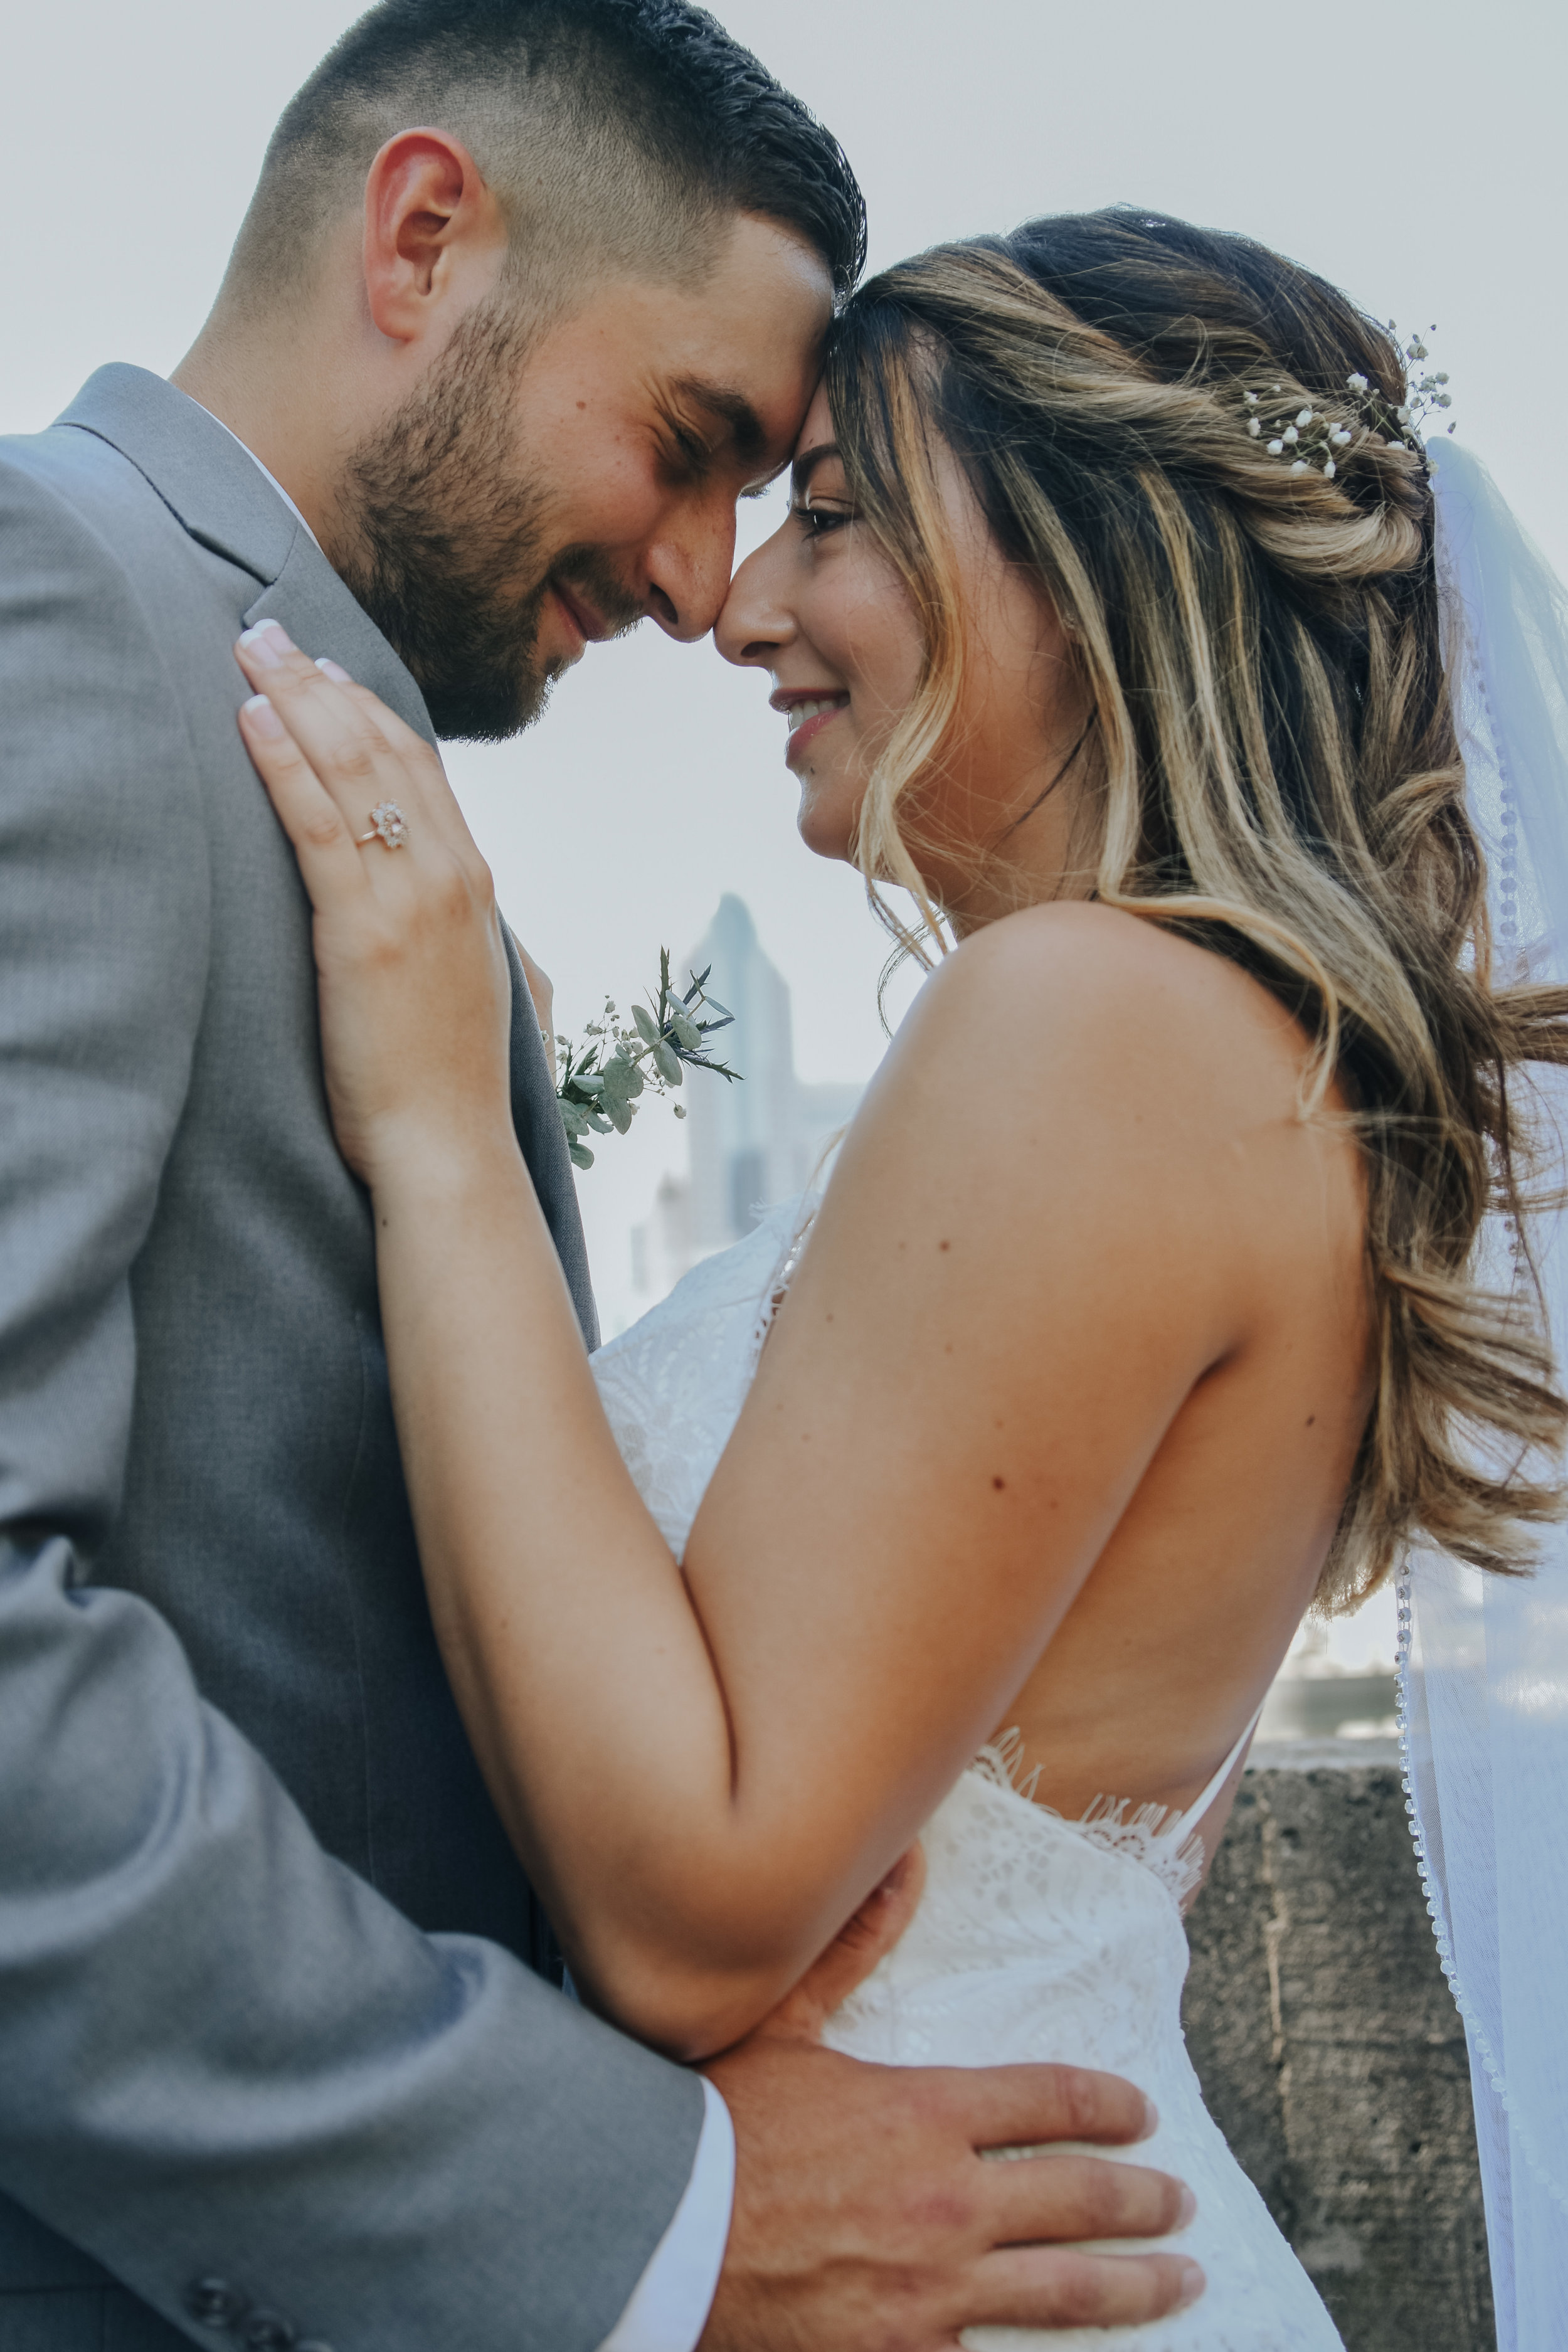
(1059, 1416)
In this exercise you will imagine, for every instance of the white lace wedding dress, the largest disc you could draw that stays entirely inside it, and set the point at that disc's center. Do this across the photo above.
(1036, 1937)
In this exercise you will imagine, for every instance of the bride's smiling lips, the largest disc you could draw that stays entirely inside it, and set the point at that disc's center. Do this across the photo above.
(807, 711)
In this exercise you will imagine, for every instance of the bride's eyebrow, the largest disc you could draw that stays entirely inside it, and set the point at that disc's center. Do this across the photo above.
(805, 465)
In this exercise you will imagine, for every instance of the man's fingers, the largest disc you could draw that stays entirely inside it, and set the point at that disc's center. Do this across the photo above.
(1062, 2287)
(1070, 2196)
(1020, 2106)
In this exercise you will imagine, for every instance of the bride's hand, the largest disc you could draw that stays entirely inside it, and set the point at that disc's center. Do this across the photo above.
(854, 1952)
(415, 991)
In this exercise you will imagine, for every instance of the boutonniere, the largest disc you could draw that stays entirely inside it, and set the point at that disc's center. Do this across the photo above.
(600, 1083)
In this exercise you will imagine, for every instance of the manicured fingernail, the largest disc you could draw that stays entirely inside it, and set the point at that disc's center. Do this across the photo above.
(1193, 2286)
(264, 719)
(1151, 2119)
(334, 671)
(267, 643)
(1186, 2209)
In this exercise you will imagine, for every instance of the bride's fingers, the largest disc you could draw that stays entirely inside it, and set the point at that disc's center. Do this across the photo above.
(402, 738)
(331, 865)
(352, 754)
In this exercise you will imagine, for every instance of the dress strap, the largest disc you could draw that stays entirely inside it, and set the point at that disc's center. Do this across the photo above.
(1176, 1824)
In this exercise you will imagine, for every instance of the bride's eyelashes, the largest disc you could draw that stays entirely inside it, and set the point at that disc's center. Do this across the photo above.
(818, 521)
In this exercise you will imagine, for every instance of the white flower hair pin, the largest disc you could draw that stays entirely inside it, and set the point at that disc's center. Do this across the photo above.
(1312, 439)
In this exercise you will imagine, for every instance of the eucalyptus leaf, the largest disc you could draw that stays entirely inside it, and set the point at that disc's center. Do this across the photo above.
(666, 1064)
(648, 1028)
(686, 1031)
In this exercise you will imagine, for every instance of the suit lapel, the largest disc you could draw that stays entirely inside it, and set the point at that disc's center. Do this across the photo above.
(312, 602)
(219, 495)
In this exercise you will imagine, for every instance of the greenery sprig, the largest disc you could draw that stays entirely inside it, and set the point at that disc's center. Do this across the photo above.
(600, 1083)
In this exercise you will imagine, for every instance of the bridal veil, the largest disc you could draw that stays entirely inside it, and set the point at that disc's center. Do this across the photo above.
(1483, 1659)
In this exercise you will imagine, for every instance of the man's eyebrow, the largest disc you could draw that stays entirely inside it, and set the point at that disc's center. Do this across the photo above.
(806, 465)
(734, 410)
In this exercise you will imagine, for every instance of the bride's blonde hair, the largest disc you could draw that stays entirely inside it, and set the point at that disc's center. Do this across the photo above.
(1270, 763)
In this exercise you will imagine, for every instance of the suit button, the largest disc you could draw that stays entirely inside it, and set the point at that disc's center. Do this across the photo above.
(312, 2344)
(213, 2303)
(269, 2331)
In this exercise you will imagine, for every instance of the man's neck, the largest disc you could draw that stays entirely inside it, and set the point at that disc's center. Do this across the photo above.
(236, 381)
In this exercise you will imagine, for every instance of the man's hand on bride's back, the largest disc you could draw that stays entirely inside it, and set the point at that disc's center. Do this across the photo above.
(415, 989)
(866, 2219)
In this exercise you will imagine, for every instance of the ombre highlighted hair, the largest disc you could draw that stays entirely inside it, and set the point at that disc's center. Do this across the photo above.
(1270, 763)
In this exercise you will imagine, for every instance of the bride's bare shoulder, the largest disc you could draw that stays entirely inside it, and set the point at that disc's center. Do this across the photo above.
(1080, 1086)
(1080, 987)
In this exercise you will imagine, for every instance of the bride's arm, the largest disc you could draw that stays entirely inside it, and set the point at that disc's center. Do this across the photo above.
(706, 1771)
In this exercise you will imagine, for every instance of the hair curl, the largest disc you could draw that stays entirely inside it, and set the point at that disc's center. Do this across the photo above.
(1270, 765)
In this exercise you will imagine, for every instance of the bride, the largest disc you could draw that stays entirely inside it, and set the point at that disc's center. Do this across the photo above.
(977, 1501)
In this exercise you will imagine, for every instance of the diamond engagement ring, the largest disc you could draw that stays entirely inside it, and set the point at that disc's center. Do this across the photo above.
(388, 824)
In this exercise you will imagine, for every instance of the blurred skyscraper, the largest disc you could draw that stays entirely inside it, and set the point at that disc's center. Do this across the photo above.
(749, 1143)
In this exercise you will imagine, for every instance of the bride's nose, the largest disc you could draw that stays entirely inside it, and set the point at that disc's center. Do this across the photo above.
(756, 620)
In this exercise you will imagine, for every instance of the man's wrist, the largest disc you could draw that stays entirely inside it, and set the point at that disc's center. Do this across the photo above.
(670, 2302)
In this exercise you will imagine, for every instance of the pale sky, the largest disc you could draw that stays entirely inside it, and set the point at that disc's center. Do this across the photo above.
(1415, 157)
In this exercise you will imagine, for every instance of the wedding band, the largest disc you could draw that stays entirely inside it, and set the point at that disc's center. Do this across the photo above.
(388, 824)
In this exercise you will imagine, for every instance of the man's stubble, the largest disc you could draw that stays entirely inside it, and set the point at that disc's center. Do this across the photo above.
(446, 539)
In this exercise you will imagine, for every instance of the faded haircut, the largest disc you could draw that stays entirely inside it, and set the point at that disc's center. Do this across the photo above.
(614, 134)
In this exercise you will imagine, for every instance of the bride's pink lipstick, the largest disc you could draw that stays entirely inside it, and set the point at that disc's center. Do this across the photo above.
(789, 699)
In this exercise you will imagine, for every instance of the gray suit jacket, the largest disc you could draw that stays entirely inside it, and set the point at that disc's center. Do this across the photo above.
(271, 2058)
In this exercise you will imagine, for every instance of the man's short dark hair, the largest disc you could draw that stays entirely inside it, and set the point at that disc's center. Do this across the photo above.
(626, 127)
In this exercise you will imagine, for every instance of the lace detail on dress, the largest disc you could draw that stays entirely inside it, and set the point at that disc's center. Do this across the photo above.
(1115, 1824)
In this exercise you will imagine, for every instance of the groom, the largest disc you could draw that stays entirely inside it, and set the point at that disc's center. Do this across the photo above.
(530, 291)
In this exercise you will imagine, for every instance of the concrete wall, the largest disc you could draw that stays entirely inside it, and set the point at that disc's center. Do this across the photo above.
(1333, 2060)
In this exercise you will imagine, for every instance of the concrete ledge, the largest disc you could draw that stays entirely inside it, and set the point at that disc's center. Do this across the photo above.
(1331, 2055)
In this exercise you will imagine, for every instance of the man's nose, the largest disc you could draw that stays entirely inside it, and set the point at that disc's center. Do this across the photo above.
(689, 574)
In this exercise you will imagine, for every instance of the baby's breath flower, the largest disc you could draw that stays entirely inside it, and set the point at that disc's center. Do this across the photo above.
(1308, 438)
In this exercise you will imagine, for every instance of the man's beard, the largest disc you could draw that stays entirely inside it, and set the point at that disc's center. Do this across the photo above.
(445, 544)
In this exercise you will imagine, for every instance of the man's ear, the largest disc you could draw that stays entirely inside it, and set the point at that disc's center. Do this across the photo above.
(433, 231)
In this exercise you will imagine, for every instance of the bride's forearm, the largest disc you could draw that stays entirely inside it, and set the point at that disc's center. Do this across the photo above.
(577, 1655)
